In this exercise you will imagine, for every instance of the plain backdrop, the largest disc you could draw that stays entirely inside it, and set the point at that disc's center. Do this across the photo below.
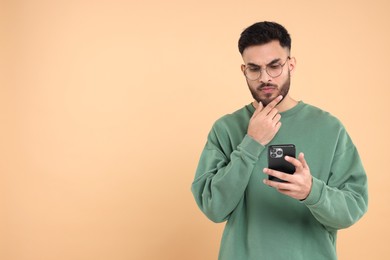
(105, 107)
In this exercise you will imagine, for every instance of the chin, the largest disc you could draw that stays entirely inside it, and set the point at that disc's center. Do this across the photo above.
(266, 99)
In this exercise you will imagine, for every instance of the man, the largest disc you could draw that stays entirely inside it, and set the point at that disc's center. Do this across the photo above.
(297, 218)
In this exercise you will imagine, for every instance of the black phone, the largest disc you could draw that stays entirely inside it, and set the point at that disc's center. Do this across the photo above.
(276, 161)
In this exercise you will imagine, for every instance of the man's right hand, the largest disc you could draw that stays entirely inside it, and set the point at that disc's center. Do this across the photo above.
(265, 122)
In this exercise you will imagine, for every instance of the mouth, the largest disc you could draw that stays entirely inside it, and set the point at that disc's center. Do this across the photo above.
(267, 89)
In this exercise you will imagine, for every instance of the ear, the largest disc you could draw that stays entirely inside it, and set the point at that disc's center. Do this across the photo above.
(243, 68)
(292, 64)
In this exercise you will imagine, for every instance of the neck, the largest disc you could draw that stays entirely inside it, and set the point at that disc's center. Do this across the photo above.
(286, 104)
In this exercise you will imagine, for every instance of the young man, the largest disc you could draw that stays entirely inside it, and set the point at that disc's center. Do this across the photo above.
(295, 219)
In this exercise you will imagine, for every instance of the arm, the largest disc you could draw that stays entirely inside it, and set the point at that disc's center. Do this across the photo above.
(341, 201)
(223, 175)
(220, 181)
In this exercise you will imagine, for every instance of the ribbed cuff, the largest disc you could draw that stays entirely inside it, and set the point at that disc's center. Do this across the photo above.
(251, 147)
(315, 195)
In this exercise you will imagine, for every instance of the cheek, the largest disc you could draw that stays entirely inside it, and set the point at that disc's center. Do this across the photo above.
(282, 80)
(253, 85)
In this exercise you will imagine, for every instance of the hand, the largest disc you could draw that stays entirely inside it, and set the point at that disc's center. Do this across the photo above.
(265, 122)
(298, 185)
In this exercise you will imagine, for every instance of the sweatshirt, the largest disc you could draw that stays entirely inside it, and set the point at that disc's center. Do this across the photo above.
(262, 223)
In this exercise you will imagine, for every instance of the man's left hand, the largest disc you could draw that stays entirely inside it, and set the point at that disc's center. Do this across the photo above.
(298, 185)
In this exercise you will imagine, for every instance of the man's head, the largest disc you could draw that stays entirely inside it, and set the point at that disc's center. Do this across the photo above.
(265, 48)
(264, 32)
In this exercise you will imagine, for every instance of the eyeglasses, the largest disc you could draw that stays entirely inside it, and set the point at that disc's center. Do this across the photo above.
(253, 72)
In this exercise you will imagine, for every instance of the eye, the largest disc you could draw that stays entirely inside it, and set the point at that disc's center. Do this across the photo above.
(253, 69)
(274, 66)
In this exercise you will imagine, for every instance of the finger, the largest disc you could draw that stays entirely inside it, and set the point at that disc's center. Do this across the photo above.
(301, 158)
(280, 186)
(280, 175)
(297, 163)
(258, 109)
(277, 126)
(273, 113)
(277, 118)
(290, 193)
(272, 104)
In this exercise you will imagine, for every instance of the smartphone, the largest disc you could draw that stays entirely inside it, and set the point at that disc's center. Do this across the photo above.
(276, 161)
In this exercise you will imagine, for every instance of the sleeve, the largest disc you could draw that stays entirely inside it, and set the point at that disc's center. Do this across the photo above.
(221, 179)
(344, 199)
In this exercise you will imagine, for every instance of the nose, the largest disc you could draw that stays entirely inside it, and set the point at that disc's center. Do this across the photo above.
(264, 77)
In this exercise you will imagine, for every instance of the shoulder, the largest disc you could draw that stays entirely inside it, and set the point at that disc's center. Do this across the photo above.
(227, 131)
(321, 117)
(238, 117)
(331, 125)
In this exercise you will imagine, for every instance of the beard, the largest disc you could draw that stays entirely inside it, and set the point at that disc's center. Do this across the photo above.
(266, 98)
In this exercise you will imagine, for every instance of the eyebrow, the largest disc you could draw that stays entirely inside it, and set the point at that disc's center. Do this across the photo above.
(270, 63)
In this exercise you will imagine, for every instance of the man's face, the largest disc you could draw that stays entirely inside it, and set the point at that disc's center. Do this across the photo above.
(266, 88)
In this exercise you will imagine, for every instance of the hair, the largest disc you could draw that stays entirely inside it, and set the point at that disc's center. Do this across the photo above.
(262, 33)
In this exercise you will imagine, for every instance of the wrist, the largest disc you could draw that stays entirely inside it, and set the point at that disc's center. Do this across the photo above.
(263, 143)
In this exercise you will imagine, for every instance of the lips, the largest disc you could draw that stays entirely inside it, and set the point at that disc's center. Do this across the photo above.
(267, 89)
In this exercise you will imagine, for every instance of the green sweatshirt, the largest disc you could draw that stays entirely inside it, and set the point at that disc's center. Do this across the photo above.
(263, 223)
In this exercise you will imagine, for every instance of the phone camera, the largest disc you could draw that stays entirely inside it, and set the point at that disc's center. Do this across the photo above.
(276, 152)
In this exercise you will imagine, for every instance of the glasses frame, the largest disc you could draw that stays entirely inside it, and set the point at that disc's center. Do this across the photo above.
(266, 67)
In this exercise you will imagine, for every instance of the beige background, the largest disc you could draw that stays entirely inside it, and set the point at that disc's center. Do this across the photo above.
(106, 105)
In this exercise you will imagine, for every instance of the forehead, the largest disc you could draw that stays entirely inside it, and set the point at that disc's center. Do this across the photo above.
(265, 53)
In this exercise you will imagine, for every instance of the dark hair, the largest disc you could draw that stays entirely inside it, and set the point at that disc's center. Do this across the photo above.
(262, 33)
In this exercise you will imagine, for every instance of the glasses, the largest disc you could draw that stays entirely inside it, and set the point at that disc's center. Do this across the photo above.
(253, 72)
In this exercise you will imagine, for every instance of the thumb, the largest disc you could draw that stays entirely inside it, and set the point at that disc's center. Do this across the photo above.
(259, 108)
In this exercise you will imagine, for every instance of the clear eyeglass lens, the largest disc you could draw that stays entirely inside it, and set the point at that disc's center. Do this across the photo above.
(252, 73)
(255, 73)
(274, 70)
